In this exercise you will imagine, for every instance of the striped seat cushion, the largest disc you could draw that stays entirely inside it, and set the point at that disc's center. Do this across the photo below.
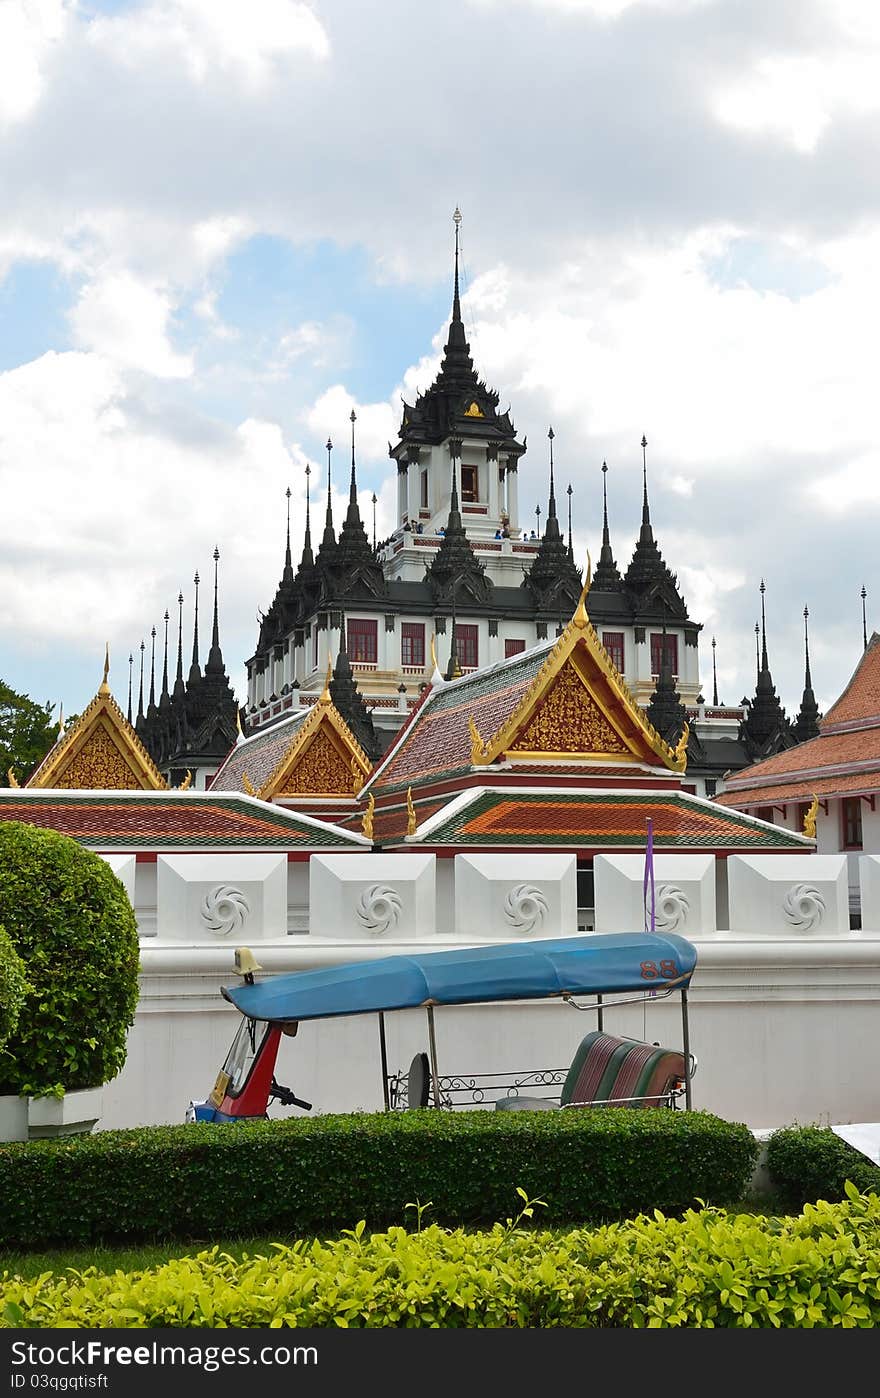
(608, 1069)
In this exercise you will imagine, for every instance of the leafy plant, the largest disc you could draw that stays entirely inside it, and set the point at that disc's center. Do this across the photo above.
(13, 986)
(307, 1176)
(705, 1270)
(812, 1162)
(71, 922)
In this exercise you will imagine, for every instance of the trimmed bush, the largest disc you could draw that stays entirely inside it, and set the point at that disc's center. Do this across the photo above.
(70, 920)
(705, 1270)
(307, 1177)
(13, 987)
(810, 1162)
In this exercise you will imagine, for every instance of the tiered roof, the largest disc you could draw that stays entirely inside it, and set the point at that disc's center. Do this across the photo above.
(152, 821)
(843, 760)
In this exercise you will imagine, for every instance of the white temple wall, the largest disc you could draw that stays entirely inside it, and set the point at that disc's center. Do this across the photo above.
(779, 1020)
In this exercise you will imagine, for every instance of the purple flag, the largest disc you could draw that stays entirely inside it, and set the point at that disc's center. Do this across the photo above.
(649, 880)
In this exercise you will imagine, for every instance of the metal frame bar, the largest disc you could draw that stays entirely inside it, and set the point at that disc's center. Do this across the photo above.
(383, 1049)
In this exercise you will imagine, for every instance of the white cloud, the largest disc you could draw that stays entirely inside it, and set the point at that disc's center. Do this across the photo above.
(29, 29)
(251, 42)
(376, 424)
(128, 322)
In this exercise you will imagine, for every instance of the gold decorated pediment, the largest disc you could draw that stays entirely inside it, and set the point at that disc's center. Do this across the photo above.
(578, 705)
(474, 410)
(100, 752)
(569, 720)
(324, 758)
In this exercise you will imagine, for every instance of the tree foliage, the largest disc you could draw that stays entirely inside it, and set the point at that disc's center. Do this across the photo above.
(27, 732)
(70, 920)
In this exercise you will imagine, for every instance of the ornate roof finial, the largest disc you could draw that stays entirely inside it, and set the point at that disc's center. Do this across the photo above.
(411, 818)
(808, 683)
(140, 713)
(179, 687)
(61, 719)
(288, 561)
(552, 506)
(367, 821)
(714, 677)
(608, 577)
(757, 648)
(308, 557)
(456, 302)
(764, 665)
(646, 513)
(538, 519)
(569, 492)
(152, 704)
(864, 620)
(436, 677)
(104, 686)
(806, 724)
(374, 521)
(194, 672)
(352, 489)
(130, 665)
(580, 617)
(165, 697)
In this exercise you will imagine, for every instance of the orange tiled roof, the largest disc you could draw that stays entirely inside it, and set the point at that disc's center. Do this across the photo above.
(804, 789)
(860, 701)
(148, 820)
(601, 821)
(834, 750)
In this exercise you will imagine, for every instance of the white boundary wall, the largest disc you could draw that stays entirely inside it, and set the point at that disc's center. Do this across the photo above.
(781, 1024)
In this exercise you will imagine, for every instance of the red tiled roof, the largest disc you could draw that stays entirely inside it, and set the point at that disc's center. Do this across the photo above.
(841, 750)
(602, 820)
(258, 757)
(170, 820)
(860, 700)
(438, 739)
(803, 789)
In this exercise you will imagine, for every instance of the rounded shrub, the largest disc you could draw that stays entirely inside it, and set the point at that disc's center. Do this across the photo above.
(13, 986)
(71, 922)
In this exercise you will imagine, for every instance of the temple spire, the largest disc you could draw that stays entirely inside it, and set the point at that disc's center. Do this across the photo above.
(569, 493)
(806, 724)
(140, 712)
(864, 620)
(456, 300)
(165, 697)
(764, 665)
(327, 553)
(179, 687)
(152, 704)
(352, 488)
(194, 670)
(714, 677)
(328, 521)
(551, 507)
(130, 665)
(214, 663)
(647, 534)
(766, 730)
(307, 555)
(607, 577)
(288, 561)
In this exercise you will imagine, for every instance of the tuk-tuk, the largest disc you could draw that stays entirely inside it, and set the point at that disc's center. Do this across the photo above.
(643, 967)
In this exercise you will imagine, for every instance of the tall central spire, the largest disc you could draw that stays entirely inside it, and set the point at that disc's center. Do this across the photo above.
(214, 665)
(647, 533)
(194, 671)
(764, 665)
(607, 576)
(179, 687)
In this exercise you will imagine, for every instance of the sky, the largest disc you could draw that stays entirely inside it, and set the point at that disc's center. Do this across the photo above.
(224, 225)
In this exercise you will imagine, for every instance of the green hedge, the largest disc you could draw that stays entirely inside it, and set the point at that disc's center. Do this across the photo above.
(705, 1270)
(810, 1162)
(13, 986)
(70, 920)
(306, 1177)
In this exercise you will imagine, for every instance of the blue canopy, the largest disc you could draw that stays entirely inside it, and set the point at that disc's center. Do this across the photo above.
(606, 962)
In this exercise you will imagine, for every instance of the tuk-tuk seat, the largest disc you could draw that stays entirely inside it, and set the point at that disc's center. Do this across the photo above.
(611, 1072)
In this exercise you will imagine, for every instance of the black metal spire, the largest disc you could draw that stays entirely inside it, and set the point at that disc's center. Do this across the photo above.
(214, 664)
(714, 677)
(647, 575)
(130, 664)
(569, 493)
(374, 521)
(288, 561)
(165, 697)
(455, 561)
(647, 534)
(140, 712)
(307, 555)
(757, 649)
(152, 704)
(195, 673)
(349, 702)
(328, 519)
(327, 553)
(607, 576)
(766, 730)
(864, 620)
(665, 709)
(806, 724)
(553, 578)
(179, 687)
(551, 507)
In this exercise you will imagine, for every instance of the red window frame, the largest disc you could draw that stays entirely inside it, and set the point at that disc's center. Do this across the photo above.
(613, 641)
(363, 641)
(657, 639)
(470, 492)
(513, 648)
(851, 822)
(467, 644)
(412, 643)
